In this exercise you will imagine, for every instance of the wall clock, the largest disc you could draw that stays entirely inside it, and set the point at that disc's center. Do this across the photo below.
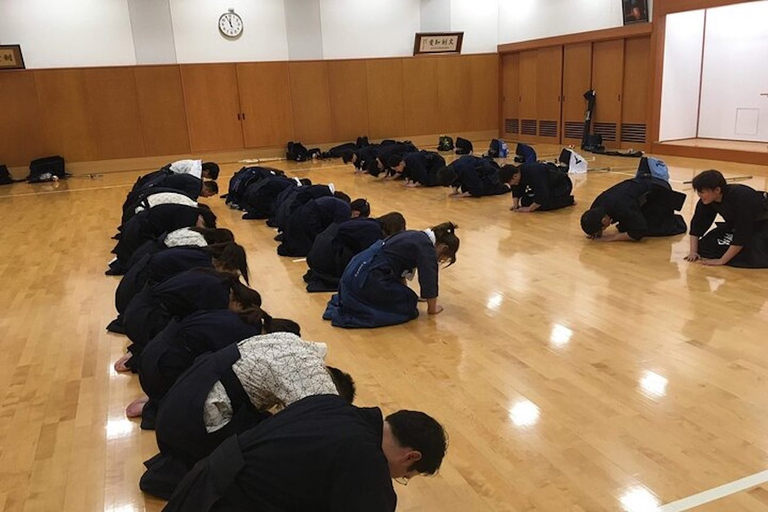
(230, 24)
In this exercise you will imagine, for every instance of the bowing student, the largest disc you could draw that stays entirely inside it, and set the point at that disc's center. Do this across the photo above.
(373, 290)
(537, 187)
(741, 240)
(259, 199)
(472, 176)
(418, 169)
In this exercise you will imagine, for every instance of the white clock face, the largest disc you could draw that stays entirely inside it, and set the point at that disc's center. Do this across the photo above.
(230, 24)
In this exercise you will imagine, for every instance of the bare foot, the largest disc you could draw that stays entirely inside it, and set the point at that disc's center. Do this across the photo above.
(136, 407)
(120, 364)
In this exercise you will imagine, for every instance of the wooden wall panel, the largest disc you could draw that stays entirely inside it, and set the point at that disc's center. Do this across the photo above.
(549, 80)
(66, 128)
(484, 92)
(310, 102)
(420, 101)
(637, 91)
(454, 88)
(265, 102)
(348, 86)
(607, 81)
(21, 139)
(113, 111)
(511, 94)
(161, 105)
(386, 116)
(213, 106)
(528, 85)
(577, 79)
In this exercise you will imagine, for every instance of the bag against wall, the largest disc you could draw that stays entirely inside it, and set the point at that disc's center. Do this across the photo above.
(573, 162)
(297, 152)
(498, 149)
(445, 143)
(652, 167)
(46, 169)
(5, 176)
(463, 146)
(525, 154)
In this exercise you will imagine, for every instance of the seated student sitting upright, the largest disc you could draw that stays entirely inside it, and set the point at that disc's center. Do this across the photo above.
(537, 187)
(641, 206)
(230, 391)
(373, 290)
(320, 453)
(740, 241)
(418, 169)
(472, 176)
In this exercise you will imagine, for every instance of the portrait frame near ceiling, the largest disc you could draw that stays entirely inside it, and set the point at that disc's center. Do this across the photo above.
(634, 11)
(10, 57)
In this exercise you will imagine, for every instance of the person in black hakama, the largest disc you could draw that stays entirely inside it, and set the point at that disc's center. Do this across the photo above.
(230, 391)
(472, 176)
(418, 169)
(339, 456)
(372, 290)
(387, 151)
(363, 159)
(334, 248)
(640, 207)
(742, 239)
(537, 187)
(259, 198)
(292, 198)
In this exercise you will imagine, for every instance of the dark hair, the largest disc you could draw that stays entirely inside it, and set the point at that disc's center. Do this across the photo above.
(207, 214)
(255, 316)
(507, 172)
(346, 156)
(230, 256)
(341, 195)
(361, 205)
(444, 234)
(391, 223)
(394, 160)
(214, 235)
(446, 176)
(305, 182)
(212, 168)
(592, 220)
(709, 180)
(212, 186)
(281, 325)
(249, 298)
(344, 382)
(420, 432)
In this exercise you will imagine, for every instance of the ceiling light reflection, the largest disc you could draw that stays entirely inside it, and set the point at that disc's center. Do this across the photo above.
(123, 507)
(524, 413)
(119, 428)
(560, 335)
(494, 301)
(639, 499)
(654, 384)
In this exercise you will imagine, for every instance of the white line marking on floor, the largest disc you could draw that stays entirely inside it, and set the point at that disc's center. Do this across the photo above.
(718, 492)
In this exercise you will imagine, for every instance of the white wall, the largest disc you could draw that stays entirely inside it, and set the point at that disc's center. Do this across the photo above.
(197, 37)
(682, 72)
(735, 73)
(479, 20)
(369, 28)
(69, 33)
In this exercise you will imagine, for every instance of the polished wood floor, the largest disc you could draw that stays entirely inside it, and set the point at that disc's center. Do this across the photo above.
(571, 375)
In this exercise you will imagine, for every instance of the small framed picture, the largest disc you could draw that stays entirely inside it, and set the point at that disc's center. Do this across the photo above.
(437, 42)
(635, 11)
(10, 57)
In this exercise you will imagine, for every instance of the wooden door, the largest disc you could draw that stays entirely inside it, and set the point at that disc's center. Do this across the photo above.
(310, 102)
(420, 95)
(577, 79)
(265, 103)
(510, 96)
(549, 78)
(528, 77)
(607, 81)
(213, 106)
(161, 105)
(348, 86)
(66, 129)
(386, 115)
(484, 92)
(454, 78)
(635, 99)
(21, 136)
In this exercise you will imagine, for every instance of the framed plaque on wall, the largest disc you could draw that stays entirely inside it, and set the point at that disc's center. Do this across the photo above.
(437, 42)
(10, 57)
(635, 11)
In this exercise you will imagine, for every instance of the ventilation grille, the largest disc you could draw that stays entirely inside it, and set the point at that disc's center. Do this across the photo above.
(633, 132)
(607, 130)
(511, 125)
(528, 127)
(574, 130)
(548, 128)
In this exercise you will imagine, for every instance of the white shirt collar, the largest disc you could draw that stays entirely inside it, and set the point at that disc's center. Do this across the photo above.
(431, 235)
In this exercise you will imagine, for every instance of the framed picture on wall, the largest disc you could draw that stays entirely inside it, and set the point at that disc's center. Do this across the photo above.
(437, 42)
(10, 57)
(635, 11)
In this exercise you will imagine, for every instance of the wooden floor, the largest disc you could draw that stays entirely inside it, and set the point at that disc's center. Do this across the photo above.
(571, 375)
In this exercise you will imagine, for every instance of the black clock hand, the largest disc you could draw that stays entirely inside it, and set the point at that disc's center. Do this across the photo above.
(229, 20)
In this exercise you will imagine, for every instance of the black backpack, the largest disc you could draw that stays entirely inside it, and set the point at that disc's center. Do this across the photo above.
(46, 169)
(5, 176)
(445, 143)
(463, 146)
(297, 152)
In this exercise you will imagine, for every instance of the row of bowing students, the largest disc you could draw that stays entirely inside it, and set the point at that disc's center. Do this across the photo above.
(245, 411)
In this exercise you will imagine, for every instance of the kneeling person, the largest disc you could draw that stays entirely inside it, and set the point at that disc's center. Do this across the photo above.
(537, 186)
